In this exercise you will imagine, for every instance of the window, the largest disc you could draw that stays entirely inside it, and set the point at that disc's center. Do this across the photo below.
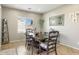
(21, 26)
(22, 23)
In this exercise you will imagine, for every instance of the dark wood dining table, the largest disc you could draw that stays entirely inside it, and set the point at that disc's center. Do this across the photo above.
(37, 41)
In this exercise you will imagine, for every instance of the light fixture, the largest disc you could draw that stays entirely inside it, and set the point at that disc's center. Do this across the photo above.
(74, 17)
(29, 8)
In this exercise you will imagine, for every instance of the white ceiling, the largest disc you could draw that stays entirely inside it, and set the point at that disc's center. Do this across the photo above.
(38, 8)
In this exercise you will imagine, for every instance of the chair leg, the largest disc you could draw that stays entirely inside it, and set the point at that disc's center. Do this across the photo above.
(39, 50)
(47, 53)
(55, 51)
(25, 44)
(32, 50)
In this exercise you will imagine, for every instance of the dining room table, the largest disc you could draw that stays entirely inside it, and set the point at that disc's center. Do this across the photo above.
(37, 40)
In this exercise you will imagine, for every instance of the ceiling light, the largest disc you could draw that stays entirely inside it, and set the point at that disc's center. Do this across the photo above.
(29, 8)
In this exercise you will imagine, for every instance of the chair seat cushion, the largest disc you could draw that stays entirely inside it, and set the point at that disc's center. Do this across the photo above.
(44, 46)
(32, 34)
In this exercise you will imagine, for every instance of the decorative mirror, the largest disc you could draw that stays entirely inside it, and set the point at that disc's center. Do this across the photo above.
(56, 20)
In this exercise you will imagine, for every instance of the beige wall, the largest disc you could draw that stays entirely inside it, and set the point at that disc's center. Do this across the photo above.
(69, 33)
(0, 23)
(12, 16)
(0, 26)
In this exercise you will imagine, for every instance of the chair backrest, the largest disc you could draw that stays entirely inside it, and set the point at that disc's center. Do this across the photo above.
(29, 33)
(53, 35)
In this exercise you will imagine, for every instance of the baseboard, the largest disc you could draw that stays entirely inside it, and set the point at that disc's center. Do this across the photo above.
(16, 41)
(69, 46)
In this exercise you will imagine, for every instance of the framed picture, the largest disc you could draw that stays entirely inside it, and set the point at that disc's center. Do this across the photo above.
(56, 20)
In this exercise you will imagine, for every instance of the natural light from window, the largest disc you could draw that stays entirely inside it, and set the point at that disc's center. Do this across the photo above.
(22, 23)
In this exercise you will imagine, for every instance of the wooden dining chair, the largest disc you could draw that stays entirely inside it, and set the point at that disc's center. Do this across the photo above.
(29, 36)
(50, 43)
(29, 39)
